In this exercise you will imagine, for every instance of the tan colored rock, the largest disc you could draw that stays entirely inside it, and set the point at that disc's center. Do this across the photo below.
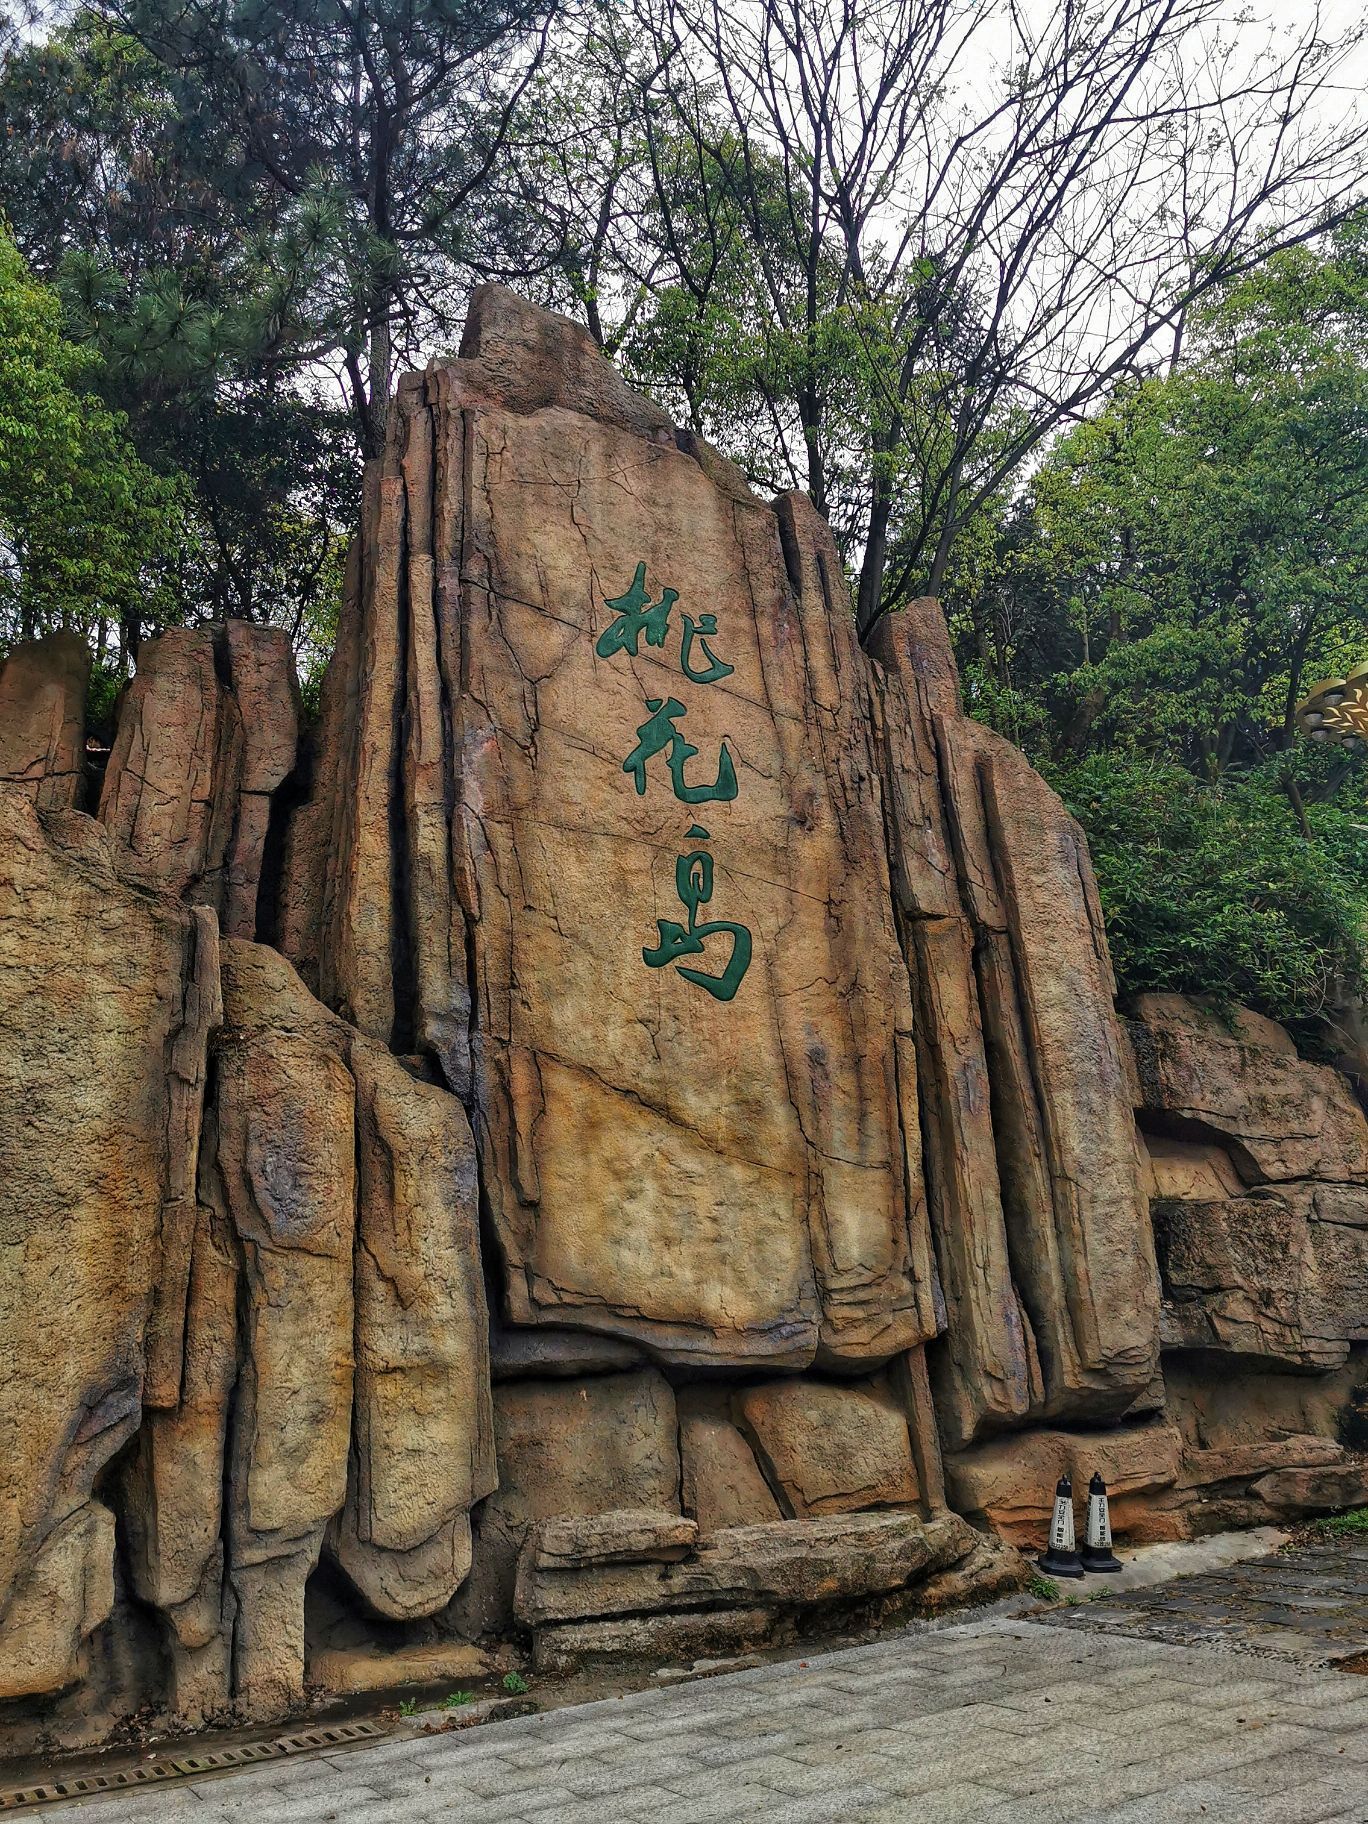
(991, 1568)
(548, 1353)
(1010, 1482)
(173, 1488)
(566, 1447)
(178, 739)
(285, 1175)
(107, 997)
(338, 1212)
(1279, 1117)
(1192, 1171)
(1245, 1462)
(261, 676)
(830, 1447)
(627, 1535)
(781, 1184)
(311, 840)
(1243, 1406)
(43, 687)
(1326, 1489)
(1037, 1191)
(1245, 1276)
(359, 1671)
(673, 1637)
(208, 731)
(722, 1483)
(789, 1564)
(423, 1450)
(60, 1600)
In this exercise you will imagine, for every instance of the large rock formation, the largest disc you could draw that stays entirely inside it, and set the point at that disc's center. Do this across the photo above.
(110, 991)
(550, 1159)
(1033, 1165)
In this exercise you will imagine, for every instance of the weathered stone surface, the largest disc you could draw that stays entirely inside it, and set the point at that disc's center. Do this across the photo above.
(42, 719)
(566, 1447)
(349, 1671)
(107, 997)
(550, 1353)
(423, 1451)
(781, 1184)
(1245, 1088)
(284, 1174)
(207, 732)
(991, 1568)
(177, 739)
(1314, 1490)
(626, 1535)
(1010, 1482)
(1193, 1171)
(1240, 1405)
(788, 1564)
(261, 677)
(1036, 1197)
(1260, 1208)
(58, 1602)
(1245, 1276)
(722, 1484)
(173, 1487)
(338, 1214)
(789, 1048)
(830, 1447)
(1244, 1462)
(678, 1637)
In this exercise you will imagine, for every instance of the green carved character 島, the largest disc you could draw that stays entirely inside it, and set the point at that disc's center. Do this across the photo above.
(694, 884)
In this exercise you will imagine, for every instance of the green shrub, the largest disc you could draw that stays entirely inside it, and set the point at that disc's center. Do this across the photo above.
(1214, 888)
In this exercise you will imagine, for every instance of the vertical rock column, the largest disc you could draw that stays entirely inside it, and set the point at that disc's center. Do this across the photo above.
(1032, 1157)
(207, 733)
(720, 1159)
(107, 998)
(337, 1238)
(42, 719)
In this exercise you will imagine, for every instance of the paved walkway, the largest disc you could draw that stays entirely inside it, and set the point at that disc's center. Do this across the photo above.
(1010, 1721)
(1309, 1604)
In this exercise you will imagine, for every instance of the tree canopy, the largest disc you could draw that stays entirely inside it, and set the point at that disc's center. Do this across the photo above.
(88, 533)
(1177, 572)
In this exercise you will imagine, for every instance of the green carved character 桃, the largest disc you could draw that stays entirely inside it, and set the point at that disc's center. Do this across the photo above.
(638, 617)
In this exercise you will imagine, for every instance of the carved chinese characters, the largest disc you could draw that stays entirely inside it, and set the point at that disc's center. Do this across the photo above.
(690, 1091)
(659, 734)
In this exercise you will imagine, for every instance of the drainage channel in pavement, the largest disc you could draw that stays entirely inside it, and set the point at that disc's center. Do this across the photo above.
(147, 1773)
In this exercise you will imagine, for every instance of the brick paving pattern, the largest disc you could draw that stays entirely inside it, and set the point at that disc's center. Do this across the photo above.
(1059, 1720)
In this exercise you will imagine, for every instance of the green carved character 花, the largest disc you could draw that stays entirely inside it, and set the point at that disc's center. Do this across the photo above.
(658, 735)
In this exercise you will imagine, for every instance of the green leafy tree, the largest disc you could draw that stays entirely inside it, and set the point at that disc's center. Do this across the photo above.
(1214, 889)
(1177, 573)
(90, 537)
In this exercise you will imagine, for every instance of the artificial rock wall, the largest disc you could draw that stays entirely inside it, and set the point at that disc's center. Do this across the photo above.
(616, 1142)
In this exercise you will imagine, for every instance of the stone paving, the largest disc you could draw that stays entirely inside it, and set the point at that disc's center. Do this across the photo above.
(1309, 1604)
(1017, 1722)
(1212, 1697)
